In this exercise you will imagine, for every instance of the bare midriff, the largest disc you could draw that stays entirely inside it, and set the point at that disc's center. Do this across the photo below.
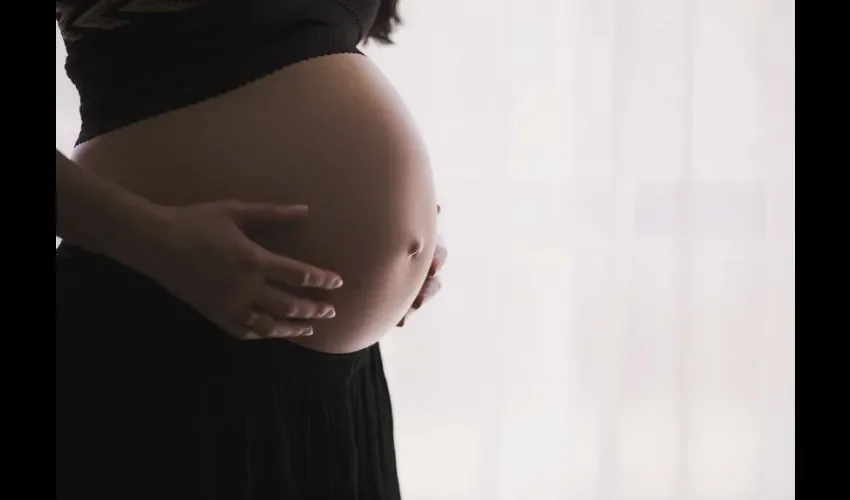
(329, 132)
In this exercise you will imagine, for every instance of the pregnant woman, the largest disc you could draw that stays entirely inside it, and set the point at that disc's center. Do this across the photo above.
(218, 349)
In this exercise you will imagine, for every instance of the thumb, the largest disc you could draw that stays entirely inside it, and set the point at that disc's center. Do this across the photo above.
(248, 213)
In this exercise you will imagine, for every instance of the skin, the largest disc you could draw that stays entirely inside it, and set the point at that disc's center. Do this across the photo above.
(200, 253)
(432, 283)
(330, 133)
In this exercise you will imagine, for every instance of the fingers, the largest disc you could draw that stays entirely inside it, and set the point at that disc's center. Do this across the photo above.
(285, 306)
(267, 212)
(255, 327)
(429, 289)
(242, 333)
(292, 272)
(286, 328)
(278, 314)
(432, 283)
(264, 326)
(277, 267)
(440, 255)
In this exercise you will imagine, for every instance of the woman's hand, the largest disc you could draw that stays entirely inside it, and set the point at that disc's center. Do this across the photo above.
(432, 282)
(207, 260)
(199, 253)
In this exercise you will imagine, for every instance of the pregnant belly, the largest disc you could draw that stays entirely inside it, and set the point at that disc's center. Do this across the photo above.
(329, 132)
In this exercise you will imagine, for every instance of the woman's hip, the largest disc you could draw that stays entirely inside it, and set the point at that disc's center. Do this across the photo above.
(153, 400)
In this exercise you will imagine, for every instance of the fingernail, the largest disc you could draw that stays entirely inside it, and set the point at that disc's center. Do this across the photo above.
(328, 312)
(305, 332)
(336, 282)
(401, 323)
(417, 303)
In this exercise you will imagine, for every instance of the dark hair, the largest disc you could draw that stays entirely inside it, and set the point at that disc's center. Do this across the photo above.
(385, 23)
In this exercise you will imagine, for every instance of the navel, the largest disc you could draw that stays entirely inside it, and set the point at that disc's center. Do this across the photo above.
(415, 247)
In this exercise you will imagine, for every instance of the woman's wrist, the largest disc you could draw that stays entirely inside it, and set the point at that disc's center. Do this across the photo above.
(104, 218)
(146, 236)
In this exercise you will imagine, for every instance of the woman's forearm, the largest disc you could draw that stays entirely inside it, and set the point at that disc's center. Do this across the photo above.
(102, 217)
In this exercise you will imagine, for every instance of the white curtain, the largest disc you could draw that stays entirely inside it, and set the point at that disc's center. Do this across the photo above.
(617, 184)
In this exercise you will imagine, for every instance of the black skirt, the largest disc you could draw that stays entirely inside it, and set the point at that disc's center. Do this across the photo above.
(153, 401)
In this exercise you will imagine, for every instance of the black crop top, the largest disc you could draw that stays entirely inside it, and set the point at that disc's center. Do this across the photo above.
(133, 59)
